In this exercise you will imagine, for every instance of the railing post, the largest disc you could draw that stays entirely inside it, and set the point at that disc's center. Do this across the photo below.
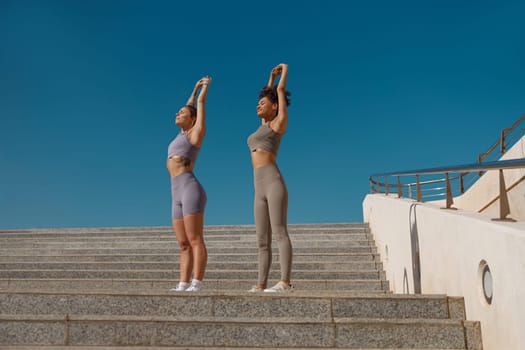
(504, 207)
(502, 141)
(386, 185)
(399, 190)
(378, 187)
(410, 191)
(418, 189)
(449, 200)
(480, 159)
(461, 183)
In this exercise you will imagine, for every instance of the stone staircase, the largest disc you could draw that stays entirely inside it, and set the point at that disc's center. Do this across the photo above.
(107, 288)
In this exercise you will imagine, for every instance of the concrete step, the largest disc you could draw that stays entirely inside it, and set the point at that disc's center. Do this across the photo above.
(311, 305)
(231, 332)
(108, 288)
(210, 236)
(166, 274)
(44, 347)
(329, 256)
(172, 243)
(162, 285)
(173, 249)
(295, 229)
(212, 265)
(126, 258)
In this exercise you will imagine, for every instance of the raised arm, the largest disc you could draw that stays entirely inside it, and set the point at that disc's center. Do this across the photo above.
(193, 96)
(281, 120)
(199, 129)
(273, 74)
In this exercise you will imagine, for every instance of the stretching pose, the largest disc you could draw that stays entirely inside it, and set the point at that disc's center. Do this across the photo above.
(188, 196)
(271, 195)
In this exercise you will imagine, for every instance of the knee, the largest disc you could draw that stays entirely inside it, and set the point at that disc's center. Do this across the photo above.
(184, 245)
(196, 241)
(280, 234)
(262, 243)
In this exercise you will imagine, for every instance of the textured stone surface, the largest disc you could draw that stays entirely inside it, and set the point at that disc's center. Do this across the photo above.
(111, 284)
(13, 332)
(324, 306)
(173, 250)
(392, 307)
(168, 274)
(473, 335)
(172, 243)
(201, 334)
(171, 266)
(456, 308)
(256, 307)
(401, 334)
(173, 258)
(122, 285)
(106, 305)
(186, 347)
(242, 332)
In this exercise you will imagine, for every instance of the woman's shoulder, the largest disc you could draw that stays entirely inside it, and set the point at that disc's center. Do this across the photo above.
(277, 126)
(196, 135)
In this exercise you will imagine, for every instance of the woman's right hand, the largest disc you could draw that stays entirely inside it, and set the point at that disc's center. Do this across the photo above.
(276, 71)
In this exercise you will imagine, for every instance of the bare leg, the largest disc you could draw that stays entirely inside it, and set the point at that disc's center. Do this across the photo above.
(186, 253)
(194, 225)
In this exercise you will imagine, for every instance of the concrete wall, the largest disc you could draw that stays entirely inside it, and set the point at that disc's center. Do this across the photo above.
(452, 244)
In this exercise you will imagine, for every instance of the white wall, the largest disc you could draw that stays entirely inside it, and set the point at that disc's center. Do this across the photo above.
(452, 244)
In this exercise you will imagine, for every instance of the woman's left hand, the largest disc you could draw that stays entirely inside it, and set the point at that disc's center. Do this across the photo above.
(206, 80)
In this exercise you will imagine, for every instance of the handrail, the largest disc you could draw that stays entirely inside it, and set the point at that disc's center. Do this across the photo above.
(501, 141)
(447, 170)
(466, 174)
(500, 164)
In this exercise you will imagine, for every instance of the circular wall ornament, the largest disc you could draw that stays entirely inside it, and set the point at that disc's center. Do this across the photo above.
(487, 283)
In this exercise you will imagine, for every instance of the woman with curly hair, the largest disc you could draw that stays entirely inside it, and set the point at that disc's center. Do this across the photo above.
(188, 196)
(271, 195)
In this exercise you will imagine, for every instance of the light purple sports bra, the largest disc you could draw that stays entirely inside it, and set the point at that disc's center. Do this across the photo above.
(182, 147)
(264, 138)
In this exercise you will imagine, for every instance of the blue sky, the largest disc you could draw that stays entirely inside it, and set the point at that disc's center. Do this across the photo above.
(89, 89)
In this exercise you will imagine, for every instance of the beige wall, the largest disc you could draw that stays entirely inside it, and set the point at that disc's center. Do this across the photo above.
(452, 244)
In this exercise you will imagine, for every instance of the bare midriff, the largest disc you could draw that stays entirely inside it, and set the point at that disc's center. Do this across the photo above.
(176, 166)
(261, 158)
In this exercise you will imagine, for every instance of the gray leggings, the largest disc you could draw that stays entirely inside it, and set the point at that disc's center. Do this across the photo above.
(270, 210)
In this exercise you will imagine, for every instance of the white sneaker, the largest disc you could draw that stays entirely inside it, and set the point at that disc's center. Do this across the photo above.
(181, 287)
(280, 287)
(196, 286)
(256, 289)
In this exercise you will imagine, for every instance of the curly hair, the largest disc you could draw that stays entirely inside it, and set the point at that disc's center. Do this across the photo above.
(271, 94)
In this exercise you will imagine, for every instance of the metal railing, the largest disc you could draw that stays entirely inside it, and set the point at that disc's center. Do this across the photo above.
(444, 182)
(463, 176)
(508, 136)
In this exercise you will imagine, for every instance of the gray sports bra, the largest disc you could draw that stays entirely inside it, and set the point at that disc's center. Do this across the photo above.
(264, 138)
(182, 147)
